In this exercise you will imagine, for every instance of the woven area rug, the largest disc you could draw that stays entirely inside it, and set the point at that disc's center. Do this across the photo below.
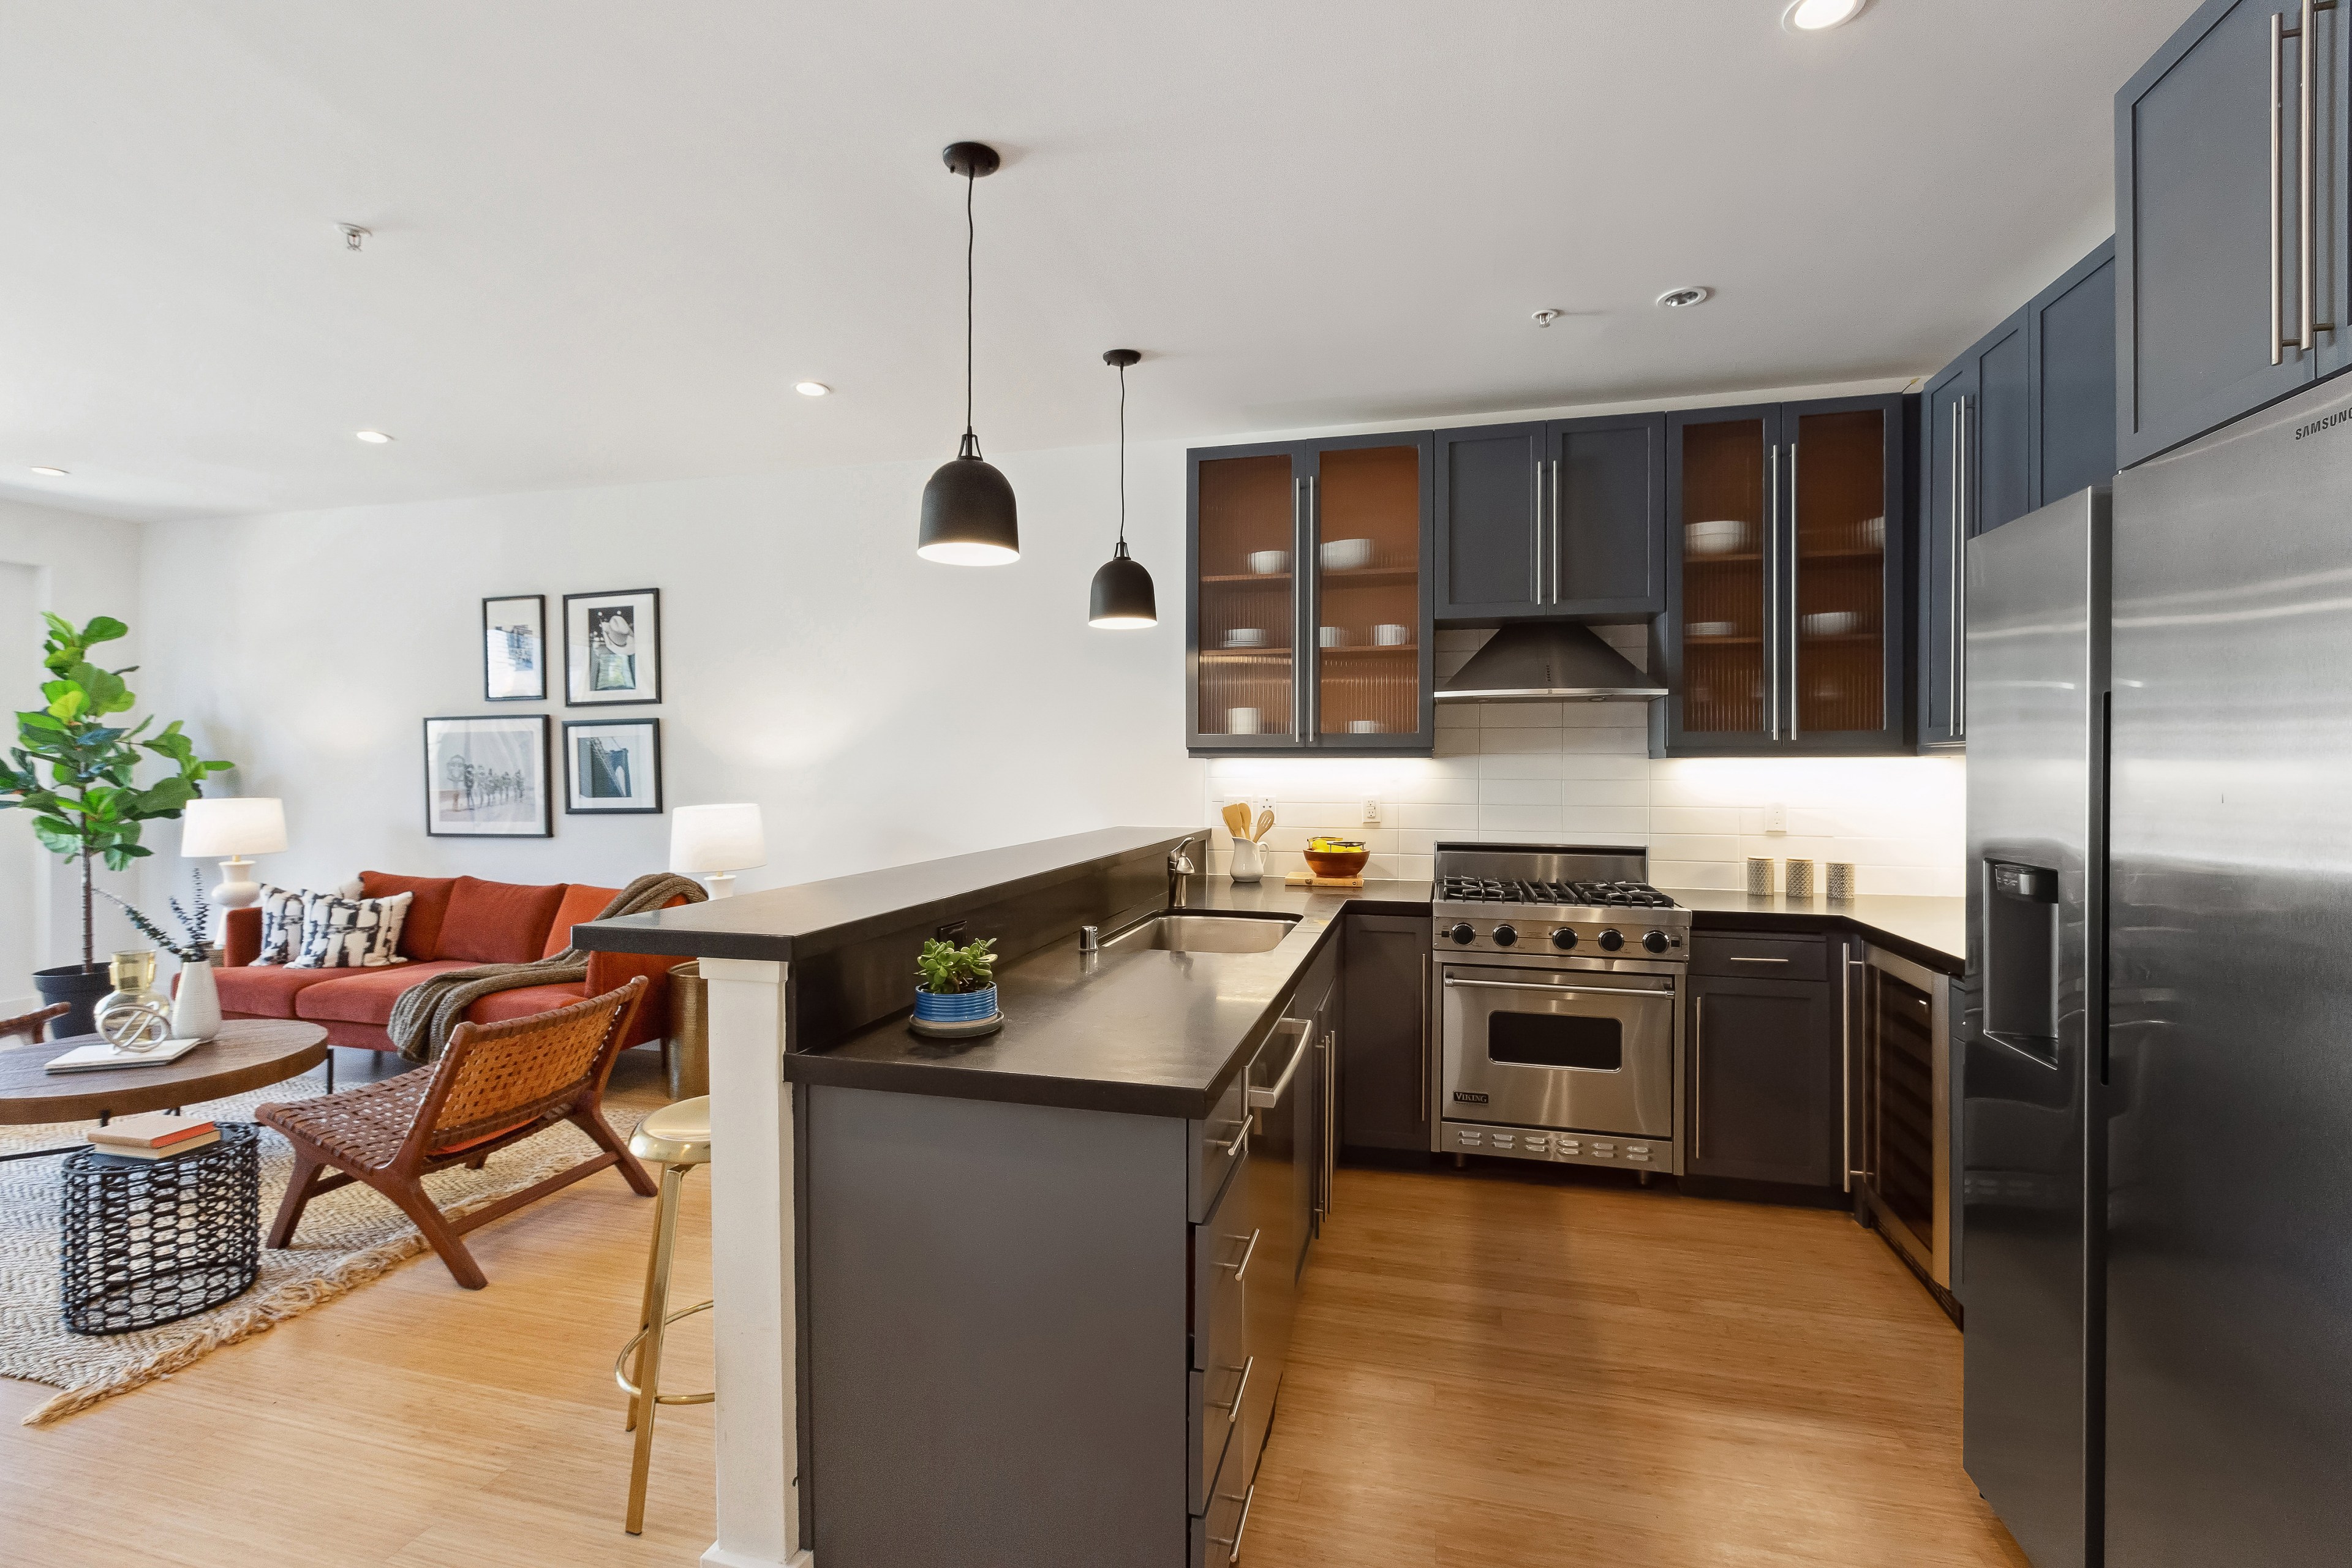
(348, 1237)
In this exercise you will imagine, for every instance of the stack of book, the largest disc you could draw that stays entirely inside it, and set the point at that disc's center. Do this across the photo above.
(154, 1136)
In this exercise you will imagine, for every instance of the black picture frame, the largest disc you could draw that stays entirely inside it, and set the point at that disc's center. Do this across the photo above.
(444, 807)
(583, 666)
(539, 617)
(571, 779)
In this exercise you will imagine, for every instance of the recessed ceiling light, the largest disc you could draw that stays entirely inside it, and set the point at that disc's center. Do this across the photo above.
(1684, 299)
(48, 473)
(811, 388)
(374, 437)
(1820, 16)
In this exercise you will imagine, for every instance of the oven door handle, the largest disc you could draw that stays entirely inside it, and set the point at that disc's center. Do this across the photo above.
(1580, 990)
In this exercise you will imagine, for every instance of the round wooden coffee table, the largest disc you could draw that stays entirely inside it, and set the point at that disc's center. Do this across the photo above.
(248, 1054)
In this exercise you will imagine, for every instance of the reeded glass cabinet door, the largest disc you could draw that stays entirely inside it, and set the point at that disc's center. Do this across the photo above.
(1723, 545)
(1838, 560)
(1246, 538)
(1369, 505)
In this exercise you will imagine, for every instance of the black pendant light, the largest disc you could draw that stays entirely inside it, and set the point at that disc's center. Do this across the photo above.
(1122, 598)
(968, 515)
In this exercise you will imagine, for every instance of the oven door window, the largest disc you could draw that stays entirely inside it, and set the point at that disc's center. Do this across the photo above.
(1556, 1040)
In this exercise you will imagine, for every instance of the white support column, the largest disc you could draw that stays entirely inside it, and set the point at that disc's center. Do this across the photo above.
(757, 1413)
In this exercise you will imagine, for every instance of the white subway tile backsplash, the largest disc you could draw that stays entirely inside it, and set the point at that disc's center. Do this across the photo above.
(1583, 773)
(1518, 715)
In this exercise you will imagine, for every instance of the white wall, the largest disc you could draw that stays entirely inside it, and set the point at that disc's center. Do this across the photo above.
(1581, 773)
(879, 707)
(78, 566)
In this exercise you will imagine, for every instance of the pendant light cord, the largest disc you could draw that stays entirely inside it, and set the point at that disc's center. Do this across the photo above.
(1122, 460)
(970, 243)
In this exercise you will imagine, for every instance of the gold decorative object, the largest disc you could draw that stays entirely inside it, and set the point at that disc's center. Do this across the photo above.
(687, 1059)
(134, 1015)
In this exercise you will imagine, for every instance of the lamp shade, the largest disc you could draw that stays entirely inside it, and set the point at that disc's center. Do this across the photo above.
(243, 825)
(1122, 598)
(968, 514)
(708, 839)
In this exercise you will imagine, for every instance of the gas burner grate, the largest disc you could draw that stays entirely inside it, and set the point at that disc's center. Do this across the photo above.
(1499, 890)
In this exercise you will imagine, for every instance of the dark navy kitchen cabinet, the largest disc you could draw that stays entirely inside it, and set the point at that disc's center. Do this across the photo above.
(1308, 597)
(1562, 518)
(1766, 1066)
(1786, 580)
(1383, 1084)
(2224, 302)
(2071, 327)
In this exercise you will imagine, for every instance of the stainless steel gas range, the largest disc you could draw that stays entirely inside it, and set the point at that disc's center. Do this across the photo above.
(1559, 1017)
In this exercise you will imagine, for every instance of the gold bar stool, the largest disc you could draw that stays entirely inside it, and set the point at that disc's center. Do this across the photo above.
(678, 1138)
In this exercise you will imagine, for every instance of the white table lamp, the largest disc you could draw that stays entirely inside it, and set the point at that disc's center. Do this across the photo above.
(236, 828)
(713, 841)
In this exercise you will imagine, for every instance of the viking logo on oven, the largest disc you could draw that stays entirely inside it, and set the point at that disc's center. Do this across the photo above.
(1469, 1097)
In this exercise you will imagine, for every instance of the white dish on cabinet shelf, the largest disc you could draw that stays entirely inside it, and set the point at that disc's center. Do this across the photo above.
(1714, 536)
(1267, 562)
(1347, 554)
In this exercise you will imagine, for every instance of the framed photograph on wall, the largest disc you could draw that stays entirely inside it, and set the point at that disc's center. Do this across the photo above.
(486, 777)
(611, 647)
(514, 648)
(612, 766)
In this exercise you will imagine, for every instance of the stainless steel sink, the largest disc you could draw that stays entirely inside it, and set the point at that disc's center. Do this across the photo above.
(1207, 933)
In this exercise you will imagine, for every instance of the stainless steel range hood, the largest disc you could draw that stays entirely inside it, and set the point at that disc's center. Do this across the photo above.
(1545, 661)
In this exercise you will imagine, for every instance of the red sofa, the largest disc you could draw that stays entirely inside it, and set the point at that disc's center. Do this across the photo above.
(454, 922)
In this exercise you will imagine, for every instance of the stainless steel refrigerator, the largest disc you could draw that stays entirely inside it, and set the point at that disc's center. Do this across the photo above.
(2031, 1021)
(2161, 1376)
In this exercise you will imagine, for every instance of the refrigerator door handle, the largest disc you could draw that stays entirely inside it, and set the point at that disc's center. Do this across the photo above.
(2271, 65)
(2307, 151)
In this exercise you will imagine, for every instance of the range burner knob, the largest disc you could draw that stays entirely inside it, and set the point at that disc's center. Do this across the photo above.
(1506, 935)
(1612, 939)
(1563, 939)
(1462, 934)
(1655, 942)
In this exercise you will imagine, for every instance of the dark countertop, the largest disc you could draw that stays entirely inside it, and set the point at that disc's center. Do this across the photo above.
(1136, 1030)
(1933, 931)
(785, 923)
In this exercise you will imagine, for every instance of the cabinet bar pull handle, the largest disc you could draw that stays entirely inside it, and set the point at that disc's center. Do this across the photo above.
(2271, 63)
(1241, 1268)
(1796, 626)
(1961, 560)
(1699, 1080)
(1302, 552)
(1952, 598)
(1240, 1138)
(1772, 589)
(1311, 693)
(1427, 1035)
(1233, 1411)
(1239, 1528)
(1737, 959)
(1555, 531)
(2308, 152)
(1845, 1076)
(1580, 990)
(1540, 531)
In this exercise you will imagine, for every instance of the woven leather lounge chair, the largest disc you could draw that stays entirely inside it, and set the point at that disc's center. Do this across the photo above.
(496, 1084)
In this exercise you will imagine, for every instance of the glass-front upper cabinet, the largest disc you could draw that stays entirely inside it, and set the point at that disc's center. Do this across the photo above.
(1784, 628)
(1309, 604)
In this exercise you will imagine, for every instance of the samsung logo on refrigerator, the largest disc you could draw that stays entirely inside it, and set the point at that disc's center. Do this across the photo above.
(2316, 426)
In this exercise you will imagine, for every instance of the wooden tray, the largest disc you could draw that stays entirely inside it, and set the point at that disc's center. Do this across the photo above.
(1309, 879)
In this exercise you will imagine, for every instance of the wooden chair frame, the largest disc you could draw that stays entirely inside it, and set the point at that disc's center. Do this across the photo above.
(429, 1146)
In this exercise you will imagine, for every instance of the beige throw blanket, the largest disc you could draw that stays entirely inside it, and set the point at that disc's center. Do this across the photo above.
(425, 1013)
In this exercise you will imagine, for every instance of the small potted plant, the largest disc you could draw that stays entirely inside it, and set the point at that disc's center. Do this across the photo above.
(956, 995)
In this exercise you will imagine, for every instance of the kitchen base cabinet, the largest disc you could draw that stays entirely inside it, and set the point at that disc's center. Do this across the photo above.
(1384, 1061)
(1766, 1069)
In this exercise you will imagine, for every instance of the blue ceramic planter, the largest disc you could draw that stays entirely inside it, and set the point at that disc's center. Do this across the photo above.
(963, 1007)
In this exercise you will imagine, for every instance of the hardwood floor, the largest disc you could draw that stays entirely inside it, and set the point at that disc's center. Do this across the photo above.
(409, 1425)
(1498, 1372)
(1488, 1372)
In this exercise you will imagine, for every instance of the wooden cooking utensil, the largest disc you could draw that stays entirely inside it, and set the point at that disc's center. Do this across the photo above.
(1237, 821)
(1264, 824)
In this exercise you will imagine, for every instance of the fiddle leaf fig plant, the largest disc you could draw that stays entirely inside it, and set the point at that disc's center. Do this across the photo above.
(949, 969)
(89, 806)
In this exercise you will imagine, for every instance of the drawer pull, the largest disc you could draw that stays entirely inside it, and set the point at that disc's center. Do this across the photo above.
(1233, 1149)
(1240, 1527)
(1737, 958)
(1233, 1411)
(1248, 1252)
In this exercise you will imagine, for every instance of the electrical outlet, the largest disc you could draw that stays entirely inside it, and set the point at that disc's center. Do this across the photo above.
(1776, 818)
(1371, 810)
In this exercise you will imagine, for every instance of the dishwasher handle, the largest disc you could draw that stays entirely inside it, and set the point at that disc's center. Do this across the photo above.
(1269, 1096)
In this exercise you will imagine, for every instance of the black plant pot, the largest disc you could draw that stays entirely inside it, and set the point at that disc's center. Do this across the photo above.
(79, 989)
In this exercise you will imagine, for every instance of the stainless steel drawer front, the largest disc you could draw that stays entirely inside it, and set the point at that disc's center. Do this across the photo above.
(1559, 1049)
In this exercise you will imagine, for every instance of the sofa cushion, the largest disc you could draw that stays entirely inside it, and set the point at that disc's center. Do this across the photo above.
(420, 933)
(264, 990)
(498, 922)
(581, 904)
(524, 1001)
(365, 997)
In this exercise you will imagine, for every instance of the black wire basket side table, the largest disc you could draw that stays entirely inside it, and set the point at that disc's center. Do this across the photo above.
(152, 1241)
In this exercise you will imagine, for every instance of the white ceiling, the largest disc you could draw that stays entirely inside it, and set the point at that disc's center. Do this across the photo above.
(610, 236)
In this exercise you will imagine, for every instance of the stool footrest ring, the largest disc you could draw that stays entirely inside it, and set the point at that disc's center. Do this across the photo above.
(620, 1362)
